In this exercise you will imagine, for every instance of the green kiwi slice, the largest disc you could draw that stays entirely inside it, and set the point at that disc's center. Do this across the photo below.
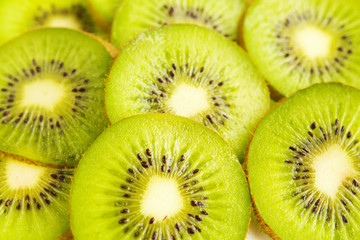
(298, 43)
(159, 176)
(51, 94)
(304, 165)
(215, 84)
(19, 16)
(136, 16)
(33, 199)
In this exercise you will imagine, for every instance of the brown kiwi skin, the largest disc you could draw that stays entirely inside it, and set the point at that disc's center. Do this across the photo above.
(66, 236)
(267, 229)
(31, 161)
(100, 21)
(240, 36)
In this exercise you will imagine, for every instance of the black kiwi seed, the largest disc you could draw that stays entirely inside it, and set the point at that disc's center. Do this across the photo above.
(125, 211)
(144, 164)
(355, 183)
(189, 185)
(204, 213)
(191, 231)
(177, 227)
(123, 221)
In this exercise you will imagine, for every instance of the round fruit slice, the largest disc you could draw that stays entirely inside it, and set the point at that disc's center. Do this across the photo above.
(33, 199)
(51, 94)
(299, 43)
(159, 176)
(215, 84)
(21, 15)
(303, 165)
(136, 16)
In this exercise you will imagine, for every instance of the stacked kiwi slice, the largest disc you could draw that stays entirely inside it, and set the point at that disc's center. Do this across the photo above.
(51, 109)
(152, 177)
(52, 104)
(221, 16)
(303, 165)
(19, 16)
(33, 199)
(298, 43)
(187, 79)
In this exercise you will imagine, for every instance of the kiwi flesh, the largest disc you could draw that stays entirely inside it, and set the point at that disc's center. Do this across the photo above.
(298, 43)
(152, 177)
(136, 16)
(216, 84)
(33, 199)
(22, 15)
(51, 94)
(303, 165)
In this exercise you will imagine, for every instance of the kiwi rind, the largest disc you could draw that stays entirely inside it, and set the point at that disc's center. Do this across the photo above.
(129, 87)
(104, 11)
(48, 49)
(315, 98)
(147, 127)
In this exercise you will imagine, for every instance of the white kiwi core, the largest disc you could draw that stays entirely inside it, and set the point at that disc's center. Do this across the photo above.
(332, 168)
(44, 93)
(187, 100)
(22, 175)
(313, 42)
(162, 198)
(64, 22)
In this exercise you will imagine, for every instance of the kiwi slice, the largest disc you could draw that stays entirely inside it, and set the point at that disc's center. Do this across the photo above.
(33, 199)
(19, 16)
(159, 176)
(136, 16)
(304, 165)
(298, 43)
(215, 84)
(51, 94)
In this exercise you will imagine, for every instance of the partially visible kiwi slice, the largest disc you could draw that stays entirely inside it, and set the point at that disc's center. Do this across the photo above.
(215, 84)
(304, 165)
(136, 16)
(159, 176)
(33, 199)
(298, 43)
(19, 16)
(51, 94)
(105, 8)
